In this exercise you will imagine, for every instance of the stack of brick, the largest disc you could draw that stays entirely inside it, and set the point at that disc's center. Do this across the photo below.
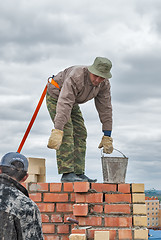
(117, 208)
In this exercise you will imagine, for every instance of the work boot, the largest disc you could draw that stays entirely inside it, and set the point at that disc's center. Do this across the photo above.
(84, 177)
(71, 177)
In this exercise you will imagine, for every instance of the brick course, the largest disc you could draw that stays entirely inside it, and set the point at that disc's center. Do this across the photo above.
(117, 208)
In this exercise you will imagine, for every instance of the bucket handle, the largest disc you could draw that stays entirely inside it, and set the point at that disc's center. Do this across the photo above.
(115, 150)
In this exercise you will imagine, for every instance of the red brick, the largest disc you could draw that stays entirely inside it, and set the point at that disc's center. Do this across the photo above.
(55, 197)
(89, 198)
(56, 218)
(64, 237)
(90, 233)
(118, 198)
(36, 197)
(72, 197)
(44, 218)
(80, 209)
(100, 187)
(96, 208)
(51, 237)
(112, 234)
(68, 187)
(38, 187)
(81, 186)
(79, 231)
(90, 221)
(55, 187)
(95, 198)
(118, 208)
(124, 188)
(64, 207)
(46, 207)
(125, 234)
(48, 228)
(80, 198)
(63, 228)
(118, 221)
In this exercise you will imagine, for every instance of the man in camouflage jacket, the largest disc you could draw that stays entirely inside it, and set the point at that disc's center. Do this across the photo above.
(77, 85)
(19, 216)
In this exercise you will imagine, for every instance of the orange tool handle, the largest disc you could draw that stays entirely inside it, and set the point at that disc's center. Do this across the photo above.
(35, 113)
(32, 120)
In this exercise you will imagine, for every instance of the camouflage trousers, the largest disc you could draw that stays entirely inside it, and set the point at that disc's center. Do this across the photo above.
(71, 154)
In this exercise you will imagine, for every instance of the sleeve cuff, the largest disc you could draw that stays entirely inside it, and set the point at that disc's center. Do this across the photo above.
(107, 133)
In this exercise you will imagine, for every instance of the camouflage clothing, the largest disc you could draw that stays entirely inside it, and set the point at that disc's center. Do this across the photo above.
(19, 215)
(71, 155)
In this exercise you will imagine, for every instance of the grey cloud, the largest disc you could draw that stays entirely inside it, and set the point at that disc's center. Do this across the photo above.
(149, 7)
(55, 31)
(30, 36)
(40, 38)
(14, 108)
(140, 80)
(36, 23)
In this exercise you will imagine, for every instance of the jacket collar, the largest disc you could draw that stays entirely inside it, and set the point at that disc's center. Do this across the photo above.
(7, 180)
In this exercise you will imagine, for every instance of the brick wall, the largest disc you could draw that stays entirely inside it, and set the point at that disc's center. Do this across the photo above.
(118, 208)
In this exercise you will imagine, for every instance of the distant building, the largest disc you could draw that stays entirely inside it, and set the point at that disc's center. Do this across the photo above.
(153, 212)
(160, 215)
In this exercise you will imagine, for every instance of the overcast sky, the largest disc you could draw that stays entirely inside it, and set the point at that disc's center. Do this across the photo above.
(39, 38)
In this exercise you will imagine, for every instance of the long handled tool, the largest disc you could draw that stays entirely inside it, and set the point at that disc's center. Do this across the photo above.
(36, 112)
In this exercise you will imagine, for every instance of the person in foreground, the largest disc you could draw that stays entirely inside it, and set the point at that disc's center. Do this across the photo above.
(77, 85)
(19, 216)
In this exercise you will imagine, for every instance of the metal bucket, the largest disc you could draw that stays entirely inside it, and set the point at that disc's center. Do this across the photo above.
(114, 168)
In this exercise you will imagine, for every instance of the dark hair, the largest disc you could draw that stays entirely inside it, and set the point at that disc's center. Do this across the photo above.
(16, 170)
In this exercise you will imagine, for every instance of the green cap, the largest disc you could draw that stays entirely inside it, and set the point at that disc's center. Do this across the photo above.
(101, 67)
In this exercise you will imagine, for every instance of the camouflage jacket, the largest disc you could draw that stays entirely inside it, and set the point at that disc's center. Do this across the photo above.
(19, 216)
(77, 88)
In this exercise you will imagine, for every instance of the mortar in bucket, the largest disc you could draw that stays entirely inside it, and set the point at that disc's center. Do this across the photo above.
(114, 168)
